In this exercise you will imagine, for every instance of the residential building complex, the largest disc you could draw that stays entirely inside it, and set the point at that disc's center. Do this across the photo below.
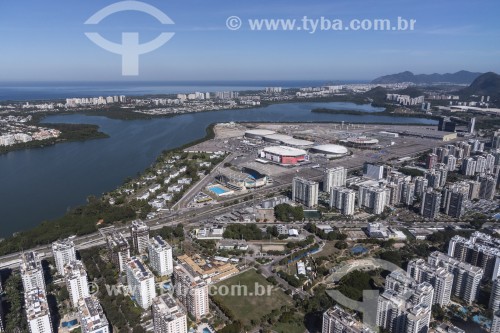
(336, 320)
(192, 291)
(91, 316)
(64, 253)
(119, 249)
(343, 199)
(141, 282)
(37, 311)
(334, 177)
(440, 279)
(305, 192)
(139, 232)
(168, 315)
(479, 250)
(76, 281)
(466, 278)
(160, 256)
(32, 272)
(431, 203)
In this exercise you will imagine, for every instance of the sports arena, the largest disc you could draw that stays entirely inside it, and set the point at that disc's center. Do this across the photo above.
(284, 155)
(330, 150)
(361, 142)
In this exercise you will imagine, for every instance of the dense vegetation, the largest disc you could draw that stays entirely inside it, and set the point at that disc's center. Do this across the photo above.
(411, 172)
(120, 309)
(79, 221)
(353, 284)
(243, 231)
(69, 132)
(287, 213)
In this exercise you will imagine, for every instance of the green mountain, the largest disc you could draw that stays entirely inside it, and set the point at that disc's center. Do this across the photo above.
(487, 84)
(461, 77)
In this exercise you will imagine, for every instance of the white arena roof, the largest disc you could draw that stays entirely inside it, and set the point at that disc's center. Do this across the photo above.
(363, 140)
(285, 151)
(259, 132)
(297, 142)
(278, 137)
(330, 149)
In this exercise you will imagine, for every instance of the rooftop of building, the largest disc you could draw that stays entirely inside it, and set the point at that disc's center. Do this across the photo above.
(30, 261)
(159, 243)
(285, 151)
(36, 304)
(91, 314)
(140, 271)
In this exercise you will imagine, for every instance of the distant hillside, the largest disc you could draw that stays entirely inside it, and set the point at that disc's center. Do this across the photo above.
(487, 84)
(462, 77)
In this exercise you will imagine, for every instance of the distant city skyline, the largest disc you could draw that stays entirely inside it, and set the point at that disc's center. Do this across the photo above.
(45, 41)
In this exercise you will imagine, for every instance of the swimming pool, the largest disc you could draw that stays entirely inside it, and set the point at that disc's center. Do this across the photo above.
(206, 330)
(218, 190)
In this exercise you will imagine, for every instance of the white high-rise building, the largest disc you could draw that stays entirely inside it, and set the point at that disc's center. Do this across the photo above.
(336, 320)
(37, 311)
(192, 291)
(495, 325)
(343, 199)
(32, 272)
(334, 177)
(466, 278)
(139, 232)
(373, 198)
(451, 163)
(91, 316)
(405, 306)
(408, 193)
(119, 249)
(487, 189)
(440, 279)
(418, 319)
(160, 256)
(421, 184)
(141, 282)
(494, 304)
(305, 192)
(490, 163)
(469, 167)
(479, 250)
(168, 315)
(76, 281)
(431, 202)
(64, 253)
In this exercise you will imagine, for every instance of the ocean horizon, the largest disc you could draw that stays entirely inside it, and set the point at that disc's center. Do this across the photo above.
(50, 90)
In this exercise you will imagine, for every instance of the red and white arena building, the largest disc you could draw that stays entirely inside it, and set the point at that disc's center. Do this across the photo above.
(284, 155)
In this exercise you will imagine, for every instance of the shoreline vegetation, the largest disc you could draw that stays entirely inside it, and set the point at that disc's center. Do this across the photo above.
(69, 133)
(83, 220)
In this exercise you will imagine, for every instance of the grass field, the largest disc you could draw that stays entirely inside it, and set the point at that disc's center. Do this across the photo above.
(252, 307)
(289, 328)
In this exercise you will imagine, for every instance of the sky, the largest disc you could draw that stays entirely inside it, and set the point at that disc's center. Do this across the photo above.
(44, 40)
